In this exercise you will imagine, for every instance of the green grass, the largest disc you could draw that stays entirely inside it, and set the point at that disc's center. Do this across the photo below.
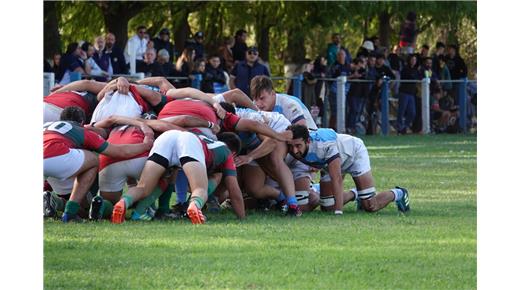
(432, 248)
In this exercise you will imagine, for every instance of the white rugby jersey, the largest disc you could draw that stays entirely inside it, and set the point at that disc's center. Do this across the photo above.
(274, 120)
(294, 110)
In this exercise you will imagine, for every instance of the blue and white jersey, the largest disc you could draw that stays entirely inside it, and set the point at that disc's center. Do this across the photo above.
(294, 110)
(274, 120)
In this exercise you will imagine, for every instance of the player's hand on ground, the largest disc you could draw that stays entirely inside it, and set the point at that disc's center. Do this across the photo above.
(123, 85)
(221, 113)
(242, 160)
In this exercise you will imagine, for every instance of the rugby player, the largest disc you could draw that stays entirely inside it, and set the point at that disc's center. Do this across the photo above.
(337, 155)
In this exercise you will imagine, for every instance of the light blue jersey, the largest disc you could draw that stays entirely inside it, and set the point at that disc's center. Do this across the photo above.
(294, 110)
(322, 149)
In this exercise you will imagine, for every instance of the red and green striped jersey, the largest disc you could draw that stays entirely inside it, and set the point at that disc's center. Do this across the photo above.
(218, 157)
(85, 100)
(122, 135)
(59, 137)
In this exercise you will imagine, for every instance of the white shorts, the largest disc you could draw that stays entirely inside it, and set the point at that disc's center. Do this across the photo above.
(51, 113)
(113, 177)
(355, 165)
(63, 166)
(61, 187)
(173, 145)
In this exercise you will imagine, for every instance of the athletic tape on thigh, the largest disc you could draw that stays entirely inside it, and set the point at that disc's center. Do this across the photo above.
(302, 197)
(367, 193)
(327, 200)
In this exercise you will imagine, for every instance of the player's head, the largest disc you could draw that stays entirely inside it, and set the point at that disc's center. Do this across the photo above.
(228, 107)
(73, 113)
(263, 93)
(299, 145)
(231, 140)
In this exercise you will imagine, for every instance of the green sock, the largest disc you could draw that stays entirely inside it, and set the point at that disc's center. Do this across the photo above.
(212, 185)
(71, 207)
(60, 202)
(164, 199)
(106, 209)
(146, 202)
(199, 202)
(128, 200)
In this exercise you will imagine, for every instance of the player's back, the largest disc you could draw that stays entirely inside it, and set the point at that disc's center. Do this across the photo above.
(293, 109)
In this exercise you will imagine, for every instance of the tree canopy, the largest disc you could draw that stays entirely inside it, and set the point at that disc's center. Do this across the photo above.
(284, 31)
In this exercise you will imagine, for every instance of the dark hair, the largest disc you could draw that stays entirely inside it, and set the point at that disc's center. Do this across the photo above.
(440, 44)
(454, 46)
(71, 47)
(299, 131)
(425, 46)
(213, 55)
(357, 60)
(259, 84)
(411, 16)
(85, 46)
(232, 141)
(240, 32)
(228, 107)
(140, 27)
(73, 113)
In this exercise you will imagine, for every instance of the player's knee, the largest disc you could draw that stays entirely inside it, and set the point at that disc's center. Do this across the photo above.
(327, 202)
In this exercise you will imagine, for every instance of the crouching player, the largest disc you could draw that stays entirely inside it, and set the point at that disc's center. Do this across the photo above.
(337, 155)
(67, 154)
(194, 154)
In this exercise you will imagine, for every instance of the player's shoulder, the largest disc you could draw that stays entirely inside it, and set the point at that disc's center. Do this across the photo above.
(323, 135)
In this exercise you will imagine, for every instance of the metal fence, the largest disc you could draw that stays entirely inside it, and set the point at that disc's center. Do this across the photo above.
(342, 85)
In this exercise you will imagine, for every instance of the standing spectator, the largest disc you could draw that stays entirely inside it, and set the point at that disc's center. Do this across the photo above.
(240, 47)
(374, 96)
(455, 63)
(117, 57)
(339, 68)
(396, 65)
(334, 47)
(308, 85)
(184, 67)
(365, 49)
(165, 66)
(246, 70)
(320, 71)
(356, 95)
(163, 42)
(136, 45)
(73, 61)
(439, 51)
(444, 74)
(408, 34)
(407, 95)
(427, 71)
(226, 53)
(95, 69)
(149, 66)
(375, 41)
(102, 59)
(215, 76)
(198, 45)
(423, 54)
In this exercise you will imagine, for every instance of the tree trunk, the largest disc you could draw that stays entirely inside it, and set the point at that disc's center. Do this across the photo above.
(182, 31)
(295, 47)
(117, 15)
(51, 37)
(384, 29)
(262, 39)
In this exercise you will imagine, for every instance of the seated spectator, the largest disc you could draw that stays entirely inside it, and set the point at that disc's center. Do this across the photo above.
(102, 59)
(95, 70)
(226, 54)
(165, 66)
(245, 71)
(117, 57)
(163, 42)
(73, 61)
(215, 76)
(197, 45)
(149, 66)
(200, 79)
(54, 66)
(443, 112)
(184, 67)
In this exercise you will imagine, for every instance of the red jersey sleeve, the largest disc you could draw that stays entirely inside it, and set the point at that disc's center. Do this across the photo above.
(94, 142)
(230, 122)
(228, 168)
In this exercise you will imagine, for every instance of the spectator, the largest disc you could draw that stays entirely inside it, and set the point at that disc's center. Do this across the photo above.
(240, 47)
(407, 95)
(199, 74)
(165, 66)
(246, 70)
(226, 54)
(396, 65)
(102, 59)
(117, 57)
(373, 102)
(365, 49)
(357, 96)
(376, 42)
(198, 45)
(184, 67)
(455, 63)
(54, 66)
(439, 51)
(383, 70)
(308, 84)
(136, 45)
(339, 68)
(423, 54)
(408, 34)
(444, 74)
(73, 61)
(426, 70)
(215, 76)
(163, 42)
(320, 71)
(443, 112)
(95, 70)
(149, 44)
(334, 47)
(149, 66)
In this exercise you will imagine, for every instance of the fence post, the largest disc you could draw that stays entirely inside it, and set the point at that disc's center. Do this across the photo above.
(463, 104)
(340, 101)
(297, 86)
(139, 75)
(425, 96)
(48, 83)
(195, 83)
(384, 107)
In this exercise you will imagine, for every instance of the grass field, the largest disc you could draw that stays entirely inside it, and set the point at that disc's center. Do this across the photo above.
(434, 247)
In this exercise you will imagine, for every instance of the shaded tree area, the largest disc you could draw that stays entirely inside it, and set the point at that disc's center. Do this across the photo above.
(285, 32)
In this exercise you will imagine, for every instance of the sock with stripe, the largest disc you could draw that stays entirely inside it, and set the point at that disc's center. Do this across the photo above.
(398, 193)
(199, 202)
(128, 200)
(291, 200)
